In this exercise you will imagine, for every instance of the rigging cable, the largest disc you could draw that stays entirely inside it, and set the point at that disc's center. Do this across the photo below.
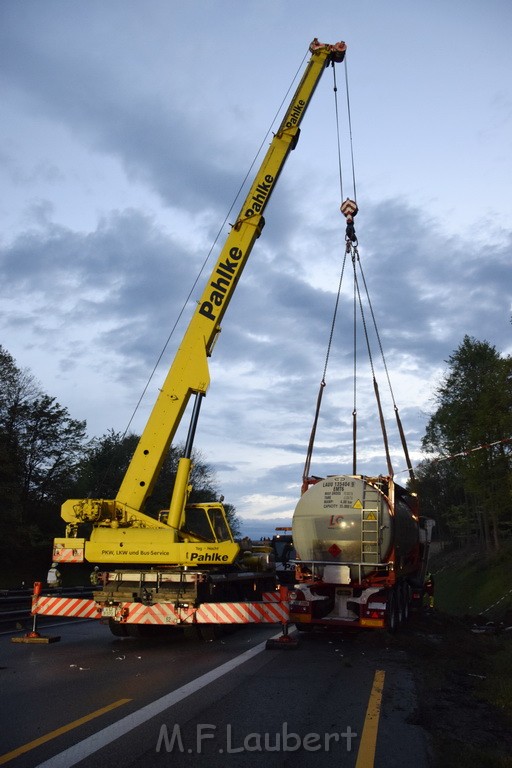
(356, 260)
(354, 385)
(386, 370)
(305, 474)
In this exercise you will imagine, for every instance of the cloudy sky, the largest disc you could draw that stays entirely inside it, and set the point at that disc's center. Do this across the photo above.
(127, 128)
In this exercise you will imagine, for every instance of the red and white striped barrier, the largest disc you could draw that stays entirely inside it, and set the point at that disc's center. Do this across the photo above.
(270, 611)
(70, 607)
(61, 555)
(242, 613)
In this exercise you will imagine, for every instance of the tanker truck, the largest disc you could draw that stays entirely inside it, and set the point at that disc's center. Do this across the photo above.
(362, 553)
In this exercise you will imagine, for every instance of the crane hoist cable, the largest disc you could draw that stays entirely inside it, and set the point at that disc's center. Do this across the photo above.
(349, 209)
(309, 454)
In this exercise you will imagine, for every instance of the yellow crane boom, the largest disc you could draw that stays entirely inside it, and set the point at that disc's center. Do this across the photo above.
(120, 526)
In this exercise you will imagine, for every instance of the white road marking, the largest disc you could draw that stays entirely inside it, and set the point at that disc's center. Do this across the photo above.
(97, 741)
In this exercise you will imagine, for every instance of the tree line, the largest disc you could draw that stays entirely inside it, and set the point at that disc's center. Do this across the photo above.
(466, 483)
(46, 457)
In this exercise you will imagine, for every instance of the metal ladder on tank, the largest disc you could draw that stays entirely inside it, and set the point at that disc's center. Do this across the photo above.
(370, 525)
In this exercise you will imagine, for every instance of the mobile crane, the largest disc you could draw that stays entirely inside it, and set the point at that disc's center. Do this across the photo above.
(183, 564)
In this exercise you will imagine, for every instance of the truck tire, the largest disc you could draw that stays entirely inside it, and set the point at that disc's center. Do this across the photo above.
(304, 627)
(117, 629)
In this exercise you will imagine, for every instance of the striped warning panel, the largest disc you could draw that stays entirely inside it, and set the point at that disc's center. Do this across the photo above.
(208, 613)
(242, 613)
(65, 606)
(61, 555)
(160, 613)
(271, 612)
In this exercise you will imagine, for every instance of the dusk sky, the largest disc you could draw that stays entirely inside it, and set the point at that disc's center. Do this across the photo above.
(127, 129)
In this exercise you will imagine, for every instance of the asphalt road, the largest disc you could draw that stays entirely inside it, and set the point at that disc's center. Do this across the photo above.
(94, 700)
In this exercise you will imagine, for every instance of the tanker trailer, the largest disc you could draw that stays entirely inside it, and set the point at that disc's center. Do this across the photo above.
(362, 552)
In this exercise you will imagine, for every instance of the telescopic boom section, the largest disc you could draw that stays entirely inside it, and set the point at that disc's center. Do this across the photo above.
(189, 371)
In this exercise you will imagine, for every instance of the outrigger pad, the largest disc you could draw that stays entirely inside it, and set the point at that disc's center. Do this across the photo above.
(35, 638)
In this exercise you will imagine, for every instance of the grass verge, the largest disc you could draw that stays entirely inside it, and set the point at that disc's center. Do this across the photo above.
(466, 680)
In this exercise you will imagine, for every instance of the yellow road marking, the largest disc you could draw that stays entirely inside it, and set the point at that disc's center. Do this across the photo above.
(366, 754)
(59, 731)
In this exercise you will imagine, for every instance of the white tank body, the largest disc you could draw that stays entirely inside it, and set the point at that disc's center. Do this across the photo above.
(355, 519)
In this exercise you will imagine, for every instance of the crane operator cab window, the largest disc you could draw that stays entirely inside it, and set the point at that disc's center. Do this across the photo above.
(206, 524)
(219, 525)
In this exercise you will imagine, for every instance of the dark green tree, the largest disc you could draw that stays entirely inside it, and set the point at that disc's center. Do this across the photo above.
(40, 449)
(17, 389)
(472, 422)
(108, 457)
(441, 491)
(101, 473)
(46, 458)
(51, 446)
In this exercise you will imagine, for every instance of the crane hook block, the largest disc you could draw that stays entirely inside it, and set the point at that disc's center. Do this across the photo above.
(349, 209)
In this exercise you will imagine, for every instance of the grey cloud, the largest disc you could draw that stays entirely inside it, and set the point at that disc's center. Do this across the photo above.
(130, 273)
(158, 144)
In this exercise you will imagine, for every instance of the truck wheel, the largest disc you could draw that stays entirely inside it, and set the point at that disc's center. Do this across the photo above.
(304, 627)
(117, 629)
